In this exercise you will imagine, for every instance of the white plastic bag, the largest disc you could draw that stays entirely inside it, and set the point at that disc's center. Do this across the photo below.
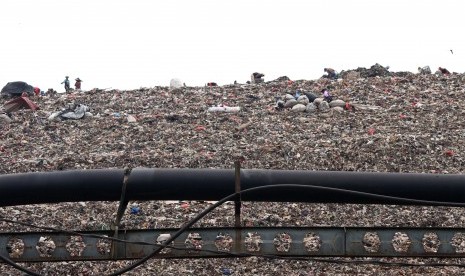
(224, 109)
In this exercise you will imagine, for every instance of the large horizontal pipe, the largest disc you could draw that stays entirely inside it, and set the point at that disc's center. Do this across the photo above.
(60, 186)
(214, 184)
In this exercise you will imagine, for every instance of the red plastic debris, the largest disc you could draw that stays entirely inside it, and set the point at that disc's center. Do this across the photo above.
(371, 131)
(449, 152)
(200, 128)
(349, 107)
(19, 103)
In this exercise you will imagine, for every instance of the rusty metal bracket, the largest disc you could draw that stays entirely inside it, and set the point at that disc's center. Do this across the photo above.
(237, 204)
(123, 204)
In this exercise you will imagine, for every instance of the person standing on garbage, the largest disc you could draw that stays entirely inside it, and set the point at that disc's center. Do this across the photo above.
(66, 82)
(77, 85)
(327, 97)
(257, 77)
(331, 73)
(444, 71)
(424, 70)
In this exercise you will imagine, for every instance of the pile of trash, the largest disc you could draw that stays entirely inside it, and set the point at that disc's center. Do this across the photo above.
(16, 89)
(309, 102)
(376, 70)
(401, 123)
(75, 111)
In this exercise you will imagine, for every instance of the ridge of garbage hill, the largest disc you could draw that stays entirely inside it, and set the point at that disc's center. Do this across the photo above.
(404, 124)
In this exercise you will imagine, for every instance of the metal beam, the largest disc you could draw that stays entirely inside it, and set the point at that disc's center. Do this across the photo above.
(215, 242)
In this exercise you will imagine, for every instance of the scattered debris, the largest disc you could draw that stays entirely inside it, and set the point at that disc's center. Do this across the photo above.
(4, 118)
(176, 83)
(45, 246)
(20, 103)
(77, 111)
(401, 242)
(253, 242)
(376, 70)
(223, 108)
(194, 241)
(16, 89)
(371, 242)
(224, 242)
(424, 70)
(135, 210)
(161, 239)
(431, 242)
(15, 247)
(312, 242)
(282, 242)
(131, 118)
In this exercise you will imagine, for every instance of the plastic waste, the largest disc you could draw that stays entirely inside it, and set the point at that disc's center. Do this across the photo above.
(131, 119)
(163, 237)
(5, 118)
(76, 112)
(303, 100)
(224, 109)
(424, 70)
(175, 83)
(135, 210)
(226, 271)
(280, 104)
(298, 108)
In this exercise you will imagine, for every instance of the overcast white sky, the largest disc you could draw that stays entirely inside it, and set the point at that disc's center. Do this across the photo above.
(141, 43)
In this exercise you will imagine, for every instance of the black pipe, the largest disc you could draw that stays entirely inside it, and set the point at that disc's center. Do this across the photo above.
(207, 184)
(214, 184)
(61, 186)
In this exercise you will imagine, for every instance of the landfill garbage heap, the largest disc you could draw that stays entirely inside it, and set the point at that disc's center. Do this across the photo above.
(406, 123)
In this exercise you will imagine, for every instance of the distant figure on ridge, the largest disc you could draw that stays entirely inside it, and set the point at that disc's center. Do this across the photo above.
(257, 77)
(77, 85)
(331, 73)
(66, 82)
(424, 70)
(444, 71)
